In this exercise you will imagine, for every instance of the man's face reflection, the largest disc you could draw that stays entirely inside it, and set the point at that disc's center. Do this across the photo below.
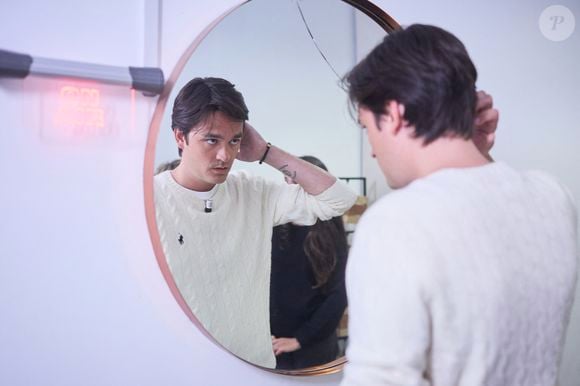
(209, 152)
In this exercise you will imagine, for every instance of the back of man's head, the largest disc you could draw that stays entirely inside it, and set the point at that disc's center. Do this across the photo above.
(200, 98)
(428, 70)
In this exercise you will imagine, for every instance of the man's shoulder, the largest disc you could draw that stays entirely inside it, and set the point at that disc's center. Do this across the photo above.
(161, 179)
(245, 180)
(552, 189)
(544, 180)
(390, 208)
(401, 200)
(419, 202)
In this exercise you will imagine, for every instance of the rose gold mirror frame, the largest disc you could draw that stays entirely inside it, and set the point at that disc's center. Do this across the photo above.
(384, 20)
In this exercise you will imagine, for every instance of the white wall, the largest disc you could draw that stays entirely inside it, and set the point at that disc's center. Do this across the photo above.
(81, 297)
(82, 301)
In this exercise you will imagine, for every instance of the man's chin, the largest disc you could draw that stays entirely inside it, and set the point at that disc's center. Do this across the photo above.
(219, 177)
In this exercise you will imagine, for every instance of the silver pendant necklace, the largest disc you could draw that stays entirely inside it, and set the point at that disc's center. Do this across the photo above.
(208, 202)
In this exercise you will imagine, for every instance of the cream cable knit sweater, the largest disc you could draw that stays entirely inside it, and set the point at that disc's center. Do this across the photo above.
(221, 260)
(465, 277)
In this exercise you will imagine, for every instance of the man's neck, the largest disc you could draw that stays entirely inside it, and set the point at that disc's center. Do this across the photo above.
(445, 153)
(183, 178)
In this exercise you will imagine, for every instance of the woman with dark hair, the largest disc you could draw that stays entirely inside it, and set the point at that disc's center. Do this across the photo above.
(307, 291)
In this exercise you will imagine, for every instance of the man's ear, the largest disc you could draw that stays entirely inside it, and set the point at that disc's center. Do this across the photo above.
(393, 119)
(180, 138)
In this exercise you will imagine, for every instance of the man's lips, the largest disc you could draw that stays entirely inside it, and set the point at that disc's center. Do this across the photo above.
(220, 169)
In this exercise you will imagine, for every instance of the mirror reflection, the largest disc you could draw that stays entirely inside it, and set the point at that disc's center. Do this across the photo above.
(260, 261)
(307, 290)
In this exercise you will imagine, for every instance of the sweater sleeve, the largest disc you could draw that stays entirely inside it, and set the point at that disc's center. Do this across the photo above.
(389, 328)
(294, 205)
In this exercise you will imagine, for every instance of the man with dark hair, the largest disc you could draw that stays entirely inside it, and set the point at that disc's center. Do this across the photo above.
(216, 226)
(465, 274)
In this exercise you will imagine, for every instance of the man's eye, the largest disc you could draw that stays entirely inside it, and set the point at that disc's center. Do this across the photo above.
(235, 141)
(211, 141)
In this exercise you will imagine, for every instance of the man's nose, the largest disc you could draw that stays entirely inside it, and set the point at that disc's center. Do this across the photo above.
(224, 154)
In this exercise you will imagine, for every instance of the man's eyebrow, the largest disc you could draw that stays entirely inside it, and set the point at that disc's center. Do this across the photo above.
(219, 136)
(210, 135)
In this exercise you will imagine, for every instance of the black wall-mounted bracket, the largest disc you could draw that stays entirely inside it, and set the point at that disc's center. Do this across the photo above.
(149, 80)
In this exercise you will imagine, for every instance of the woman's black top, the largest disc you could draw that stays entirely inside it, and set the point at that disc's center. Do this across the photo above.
(297, 309)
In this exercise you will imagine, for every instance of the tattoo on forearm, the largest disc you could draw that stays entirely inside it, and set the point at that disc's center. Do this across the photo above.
(288, 173)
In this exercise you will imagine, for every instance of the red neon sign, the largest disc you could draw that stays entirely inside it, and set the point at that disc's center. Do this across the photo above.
(86, 113)
(79, 109)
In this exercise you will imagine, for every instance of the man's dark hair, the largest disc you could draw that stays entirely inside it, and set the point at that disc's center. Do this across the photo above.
(428, 70)
(200, 98)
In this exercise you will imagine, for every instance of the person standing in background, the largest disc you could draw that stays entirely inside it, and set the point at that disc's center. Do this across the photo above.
(307, 291)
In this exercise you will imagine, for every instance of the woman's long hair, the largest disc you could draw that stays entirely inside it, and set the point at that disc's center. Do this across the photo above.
(324, 242)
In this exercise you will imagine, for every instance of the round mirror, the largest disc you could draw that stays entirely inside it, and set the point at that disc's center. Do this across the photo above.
(286, 57)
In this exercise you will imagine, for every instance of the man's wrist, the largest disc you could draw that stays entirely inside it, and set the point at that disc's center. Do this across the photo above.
(268, 146)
